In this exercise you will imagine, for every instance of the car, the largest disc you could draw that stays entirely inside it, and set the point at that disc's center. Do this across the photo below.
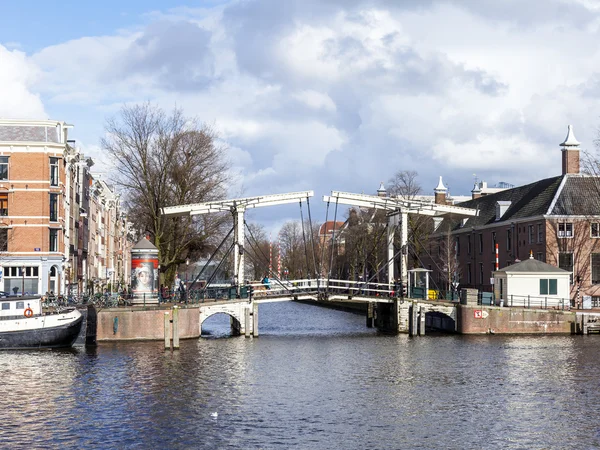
(4, 294)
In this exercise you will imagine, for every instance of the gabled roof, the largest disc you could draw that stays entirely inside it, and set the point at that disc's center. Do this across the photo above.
(579, 195)
(144, 244)
(329, 226)
(532, 266)
(564, 195)
(525, 201)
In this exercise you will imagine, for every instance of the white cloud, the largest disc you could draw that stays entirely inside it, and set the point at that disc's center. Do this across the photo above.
(17, 76)
(312, 94)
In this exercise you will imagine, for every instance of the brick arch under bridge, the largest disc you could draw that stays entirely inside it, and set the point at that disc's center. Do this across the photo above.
(240, 313)
(441, 316)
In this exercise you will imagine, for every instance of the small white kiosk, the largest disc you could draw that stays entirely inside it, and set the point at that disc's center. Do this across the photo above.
(532, 283)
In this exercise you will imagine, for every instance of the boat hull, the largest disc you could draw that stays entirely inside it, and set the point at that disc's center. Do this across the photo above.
(60, 332)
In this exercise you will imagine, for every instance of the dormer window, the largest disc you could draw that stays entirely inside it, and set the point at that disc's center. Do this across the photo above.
(501, 208)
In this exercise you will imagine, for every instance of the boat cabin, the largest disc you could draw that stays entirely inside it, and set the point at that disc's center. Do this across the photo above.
(16, 307)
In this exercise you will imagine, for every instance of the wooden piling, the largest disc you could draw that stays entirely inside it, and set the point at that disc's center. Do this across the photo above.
(370, 314)
(175, 327)
(255, 319)
(247, 322)
(413, 319)
(167, 332)
(421, 321)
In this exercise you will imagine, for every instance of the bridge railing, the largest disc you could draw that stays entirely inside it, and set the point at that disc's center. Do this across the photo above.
(359, 288)
(532, 302)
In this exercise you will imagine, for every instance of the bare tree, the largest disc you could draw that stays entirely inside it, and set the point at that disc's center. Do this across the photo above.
(162, 160)
(448, 259)
(404, 185)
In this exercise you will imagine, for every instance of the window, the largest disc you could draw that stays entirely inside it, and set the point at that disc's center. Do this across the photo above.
(53, 207)
(3, 167)
(457, 245)
(595, 229)
(53, 240)
(3, 239)
(530, 234)
(19, 278)
(508, 240)
(4, 204)
(540, 256)
(5, 306)
(595, 268)
(565, 229)
(480, 273)
(469, 244)
(469, 279)
(540, 233)
(565, 262)
(53, 171)
(494, 242)
(548, 286)
(480, 243)
(20, 305)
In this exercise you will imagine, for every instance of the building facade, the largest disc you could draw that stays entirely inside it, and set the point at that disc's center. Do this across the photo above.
(44, 210)
(556, 219)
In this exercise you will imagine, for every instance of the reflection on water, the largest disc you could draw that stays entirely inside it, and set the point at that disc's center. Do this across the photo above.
(314, 379)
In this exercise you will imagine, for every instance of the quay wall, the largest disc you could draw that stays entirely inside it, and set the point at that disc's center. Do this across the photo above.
(477, 319)
(144, 323)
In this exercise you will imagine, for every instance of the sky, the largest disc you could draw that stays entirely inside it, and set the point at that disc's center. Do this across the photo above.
(321, 95)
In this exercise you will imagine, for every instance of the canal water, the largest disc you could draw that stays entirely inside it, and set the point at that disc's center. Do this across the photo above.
(314, 379)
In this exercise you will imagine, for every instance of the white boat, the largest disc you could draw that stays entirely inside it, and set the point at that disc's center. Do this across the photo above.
(23, 325)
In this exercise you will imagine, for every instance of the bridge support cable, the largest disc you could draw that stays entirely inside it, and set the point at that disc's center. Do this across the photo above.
(366, 282)
(257, 247)
(237, 207)
(275, 279)
(214, 274)
(269, 271)
(320, 274)
(332, 246)
(400, 206)
(304, 239)
(374, 248)
(209, 260)
(312, 240)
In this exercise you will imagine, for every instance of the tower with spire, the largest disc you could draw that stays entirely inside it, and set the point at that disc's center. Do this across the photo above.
(440, 193)
(570, 153)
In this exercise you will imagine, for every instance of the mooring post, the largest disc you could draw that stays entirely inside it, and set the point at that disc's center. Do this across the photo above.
(167, 334)
(175, 327)
(247, 322)
(413, 319)
(421, 321)
(255, 319)
(370, 314)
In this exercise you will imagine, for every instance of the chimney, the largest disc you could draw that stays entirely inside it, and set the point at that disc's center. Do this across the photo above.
(440, 193)
(570, 153)
(476, 192)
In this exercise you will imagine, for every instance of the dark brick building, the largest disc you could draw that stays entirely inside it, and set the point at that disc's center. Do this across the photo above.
(556, 219)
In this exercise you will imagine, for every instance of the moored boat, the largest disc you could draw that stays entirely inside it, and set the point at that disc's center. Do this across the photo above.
(23, 325)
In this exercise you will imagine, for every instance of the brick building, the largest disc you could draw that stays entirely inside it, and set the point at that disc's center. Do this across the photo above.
(556, 219)
(44, 204)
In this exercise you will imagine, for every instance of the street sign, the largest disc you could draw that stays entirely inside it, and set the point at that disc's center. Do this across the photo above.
(480, 314)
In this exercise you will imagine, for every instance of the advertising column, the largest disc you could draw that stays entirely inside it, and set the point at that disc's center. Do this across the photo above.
(144, 272)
